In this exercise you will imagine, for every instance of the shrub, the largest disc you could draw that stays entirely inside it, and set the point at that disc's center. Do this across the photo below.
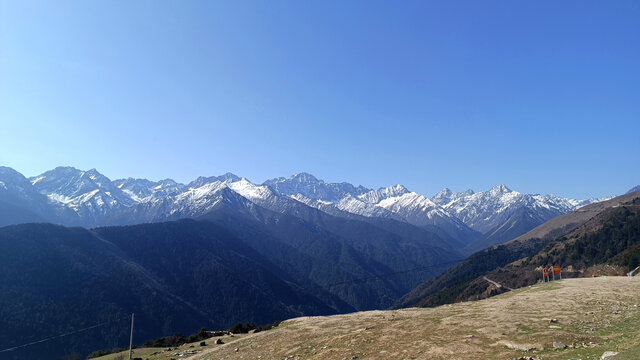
(240, 328)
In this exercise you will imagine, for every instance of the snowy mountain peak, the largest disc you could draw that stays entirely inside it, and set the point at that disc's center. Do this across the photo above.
(310, 187)
(634, 189)
(90, 198)
(89, 194)
(444, 196)
(375, 196)
(397, 189)
(500, 189)
(202, 180)
(228, 176)
(251, 191)
(304, 177)
(143, 190)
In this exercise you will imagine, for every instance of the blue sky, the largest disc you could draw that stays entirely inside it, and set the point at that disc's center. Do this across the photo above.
(541, 96)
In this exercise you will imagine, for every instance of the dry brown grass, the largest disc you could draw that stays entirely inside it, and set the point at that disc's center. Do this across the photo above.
(592, 315)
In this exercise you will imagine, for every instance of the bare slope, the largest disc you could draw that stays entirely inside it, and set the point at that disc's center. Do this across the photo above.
(592, 315)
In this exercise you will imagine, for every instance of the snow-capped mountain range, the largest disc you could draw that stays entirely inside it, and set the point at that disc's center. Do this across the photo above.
(74, 197)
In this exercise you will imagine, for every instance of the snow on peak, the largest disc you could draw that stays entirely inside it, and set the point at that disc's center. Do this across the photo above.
(411, 199)
(91, 194)
(201, 180)
(375, 196)
(35, 180)
(444, 192)
(444, 196)
(250, 191)
(310, 187)
(195, 194)
(500, 189)
(304, 177)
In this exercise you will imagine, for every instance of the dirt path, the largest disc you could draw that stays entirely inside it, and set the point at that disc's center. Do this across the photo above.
(589, 316)
(498, 285)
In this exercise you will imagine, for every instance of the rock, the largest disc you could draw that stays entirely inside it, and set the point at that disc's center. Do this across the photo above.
(520, 347)
(236, 349)
(219, 342)
(553, 321)
(559, 345)
(203, 343)
(608, 354)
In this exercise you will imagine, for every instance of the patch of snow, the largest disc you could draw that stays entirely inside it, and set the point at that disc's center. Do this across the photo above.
(250, 191)
(59, 198)
(133, 196)
(35, 181)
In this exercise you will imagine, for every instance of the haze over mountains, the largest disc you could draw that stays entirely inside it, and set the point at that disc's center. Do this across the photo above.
(69, 196)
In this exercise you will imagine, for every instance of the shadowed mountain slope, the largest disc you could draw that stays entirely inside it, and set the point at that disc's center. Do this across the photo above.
(176, 276)
(334, 253)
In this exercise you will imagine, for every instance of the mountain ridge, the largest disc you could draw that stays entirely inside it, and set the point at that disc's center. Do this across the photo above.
(69, 196)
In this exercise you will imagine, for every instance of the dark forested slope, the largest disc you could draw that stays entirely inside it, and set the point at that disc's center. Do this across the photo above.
(176, 276)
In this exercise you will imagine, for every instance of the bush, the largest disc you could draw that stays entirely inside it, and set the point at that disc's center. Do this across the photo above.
(168, 341)
(267, 326)
(99, 353)
(240, 328)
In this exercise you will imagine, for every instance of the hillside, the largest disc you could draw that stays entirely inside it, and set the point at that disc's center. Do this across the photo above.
(241, 262)
(464, 281)
(334, 252)
(584, 318)
(176, 277)
(605, 245)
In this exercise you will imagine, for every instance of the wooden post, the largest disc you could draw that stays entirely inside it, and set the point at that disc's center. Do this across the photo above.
(131, 339)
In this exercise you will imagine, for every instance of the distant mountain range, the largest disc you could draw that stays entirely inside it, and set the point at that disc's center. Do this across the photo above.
(222, 249)
(467, 220)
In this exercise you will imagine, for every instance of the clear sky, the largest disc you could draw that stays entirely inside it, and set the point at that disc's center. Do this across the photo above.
(543, 96)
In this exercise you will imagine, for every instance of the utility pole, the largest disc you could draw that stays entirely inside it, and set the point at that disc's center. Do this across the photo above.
(131, 338)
